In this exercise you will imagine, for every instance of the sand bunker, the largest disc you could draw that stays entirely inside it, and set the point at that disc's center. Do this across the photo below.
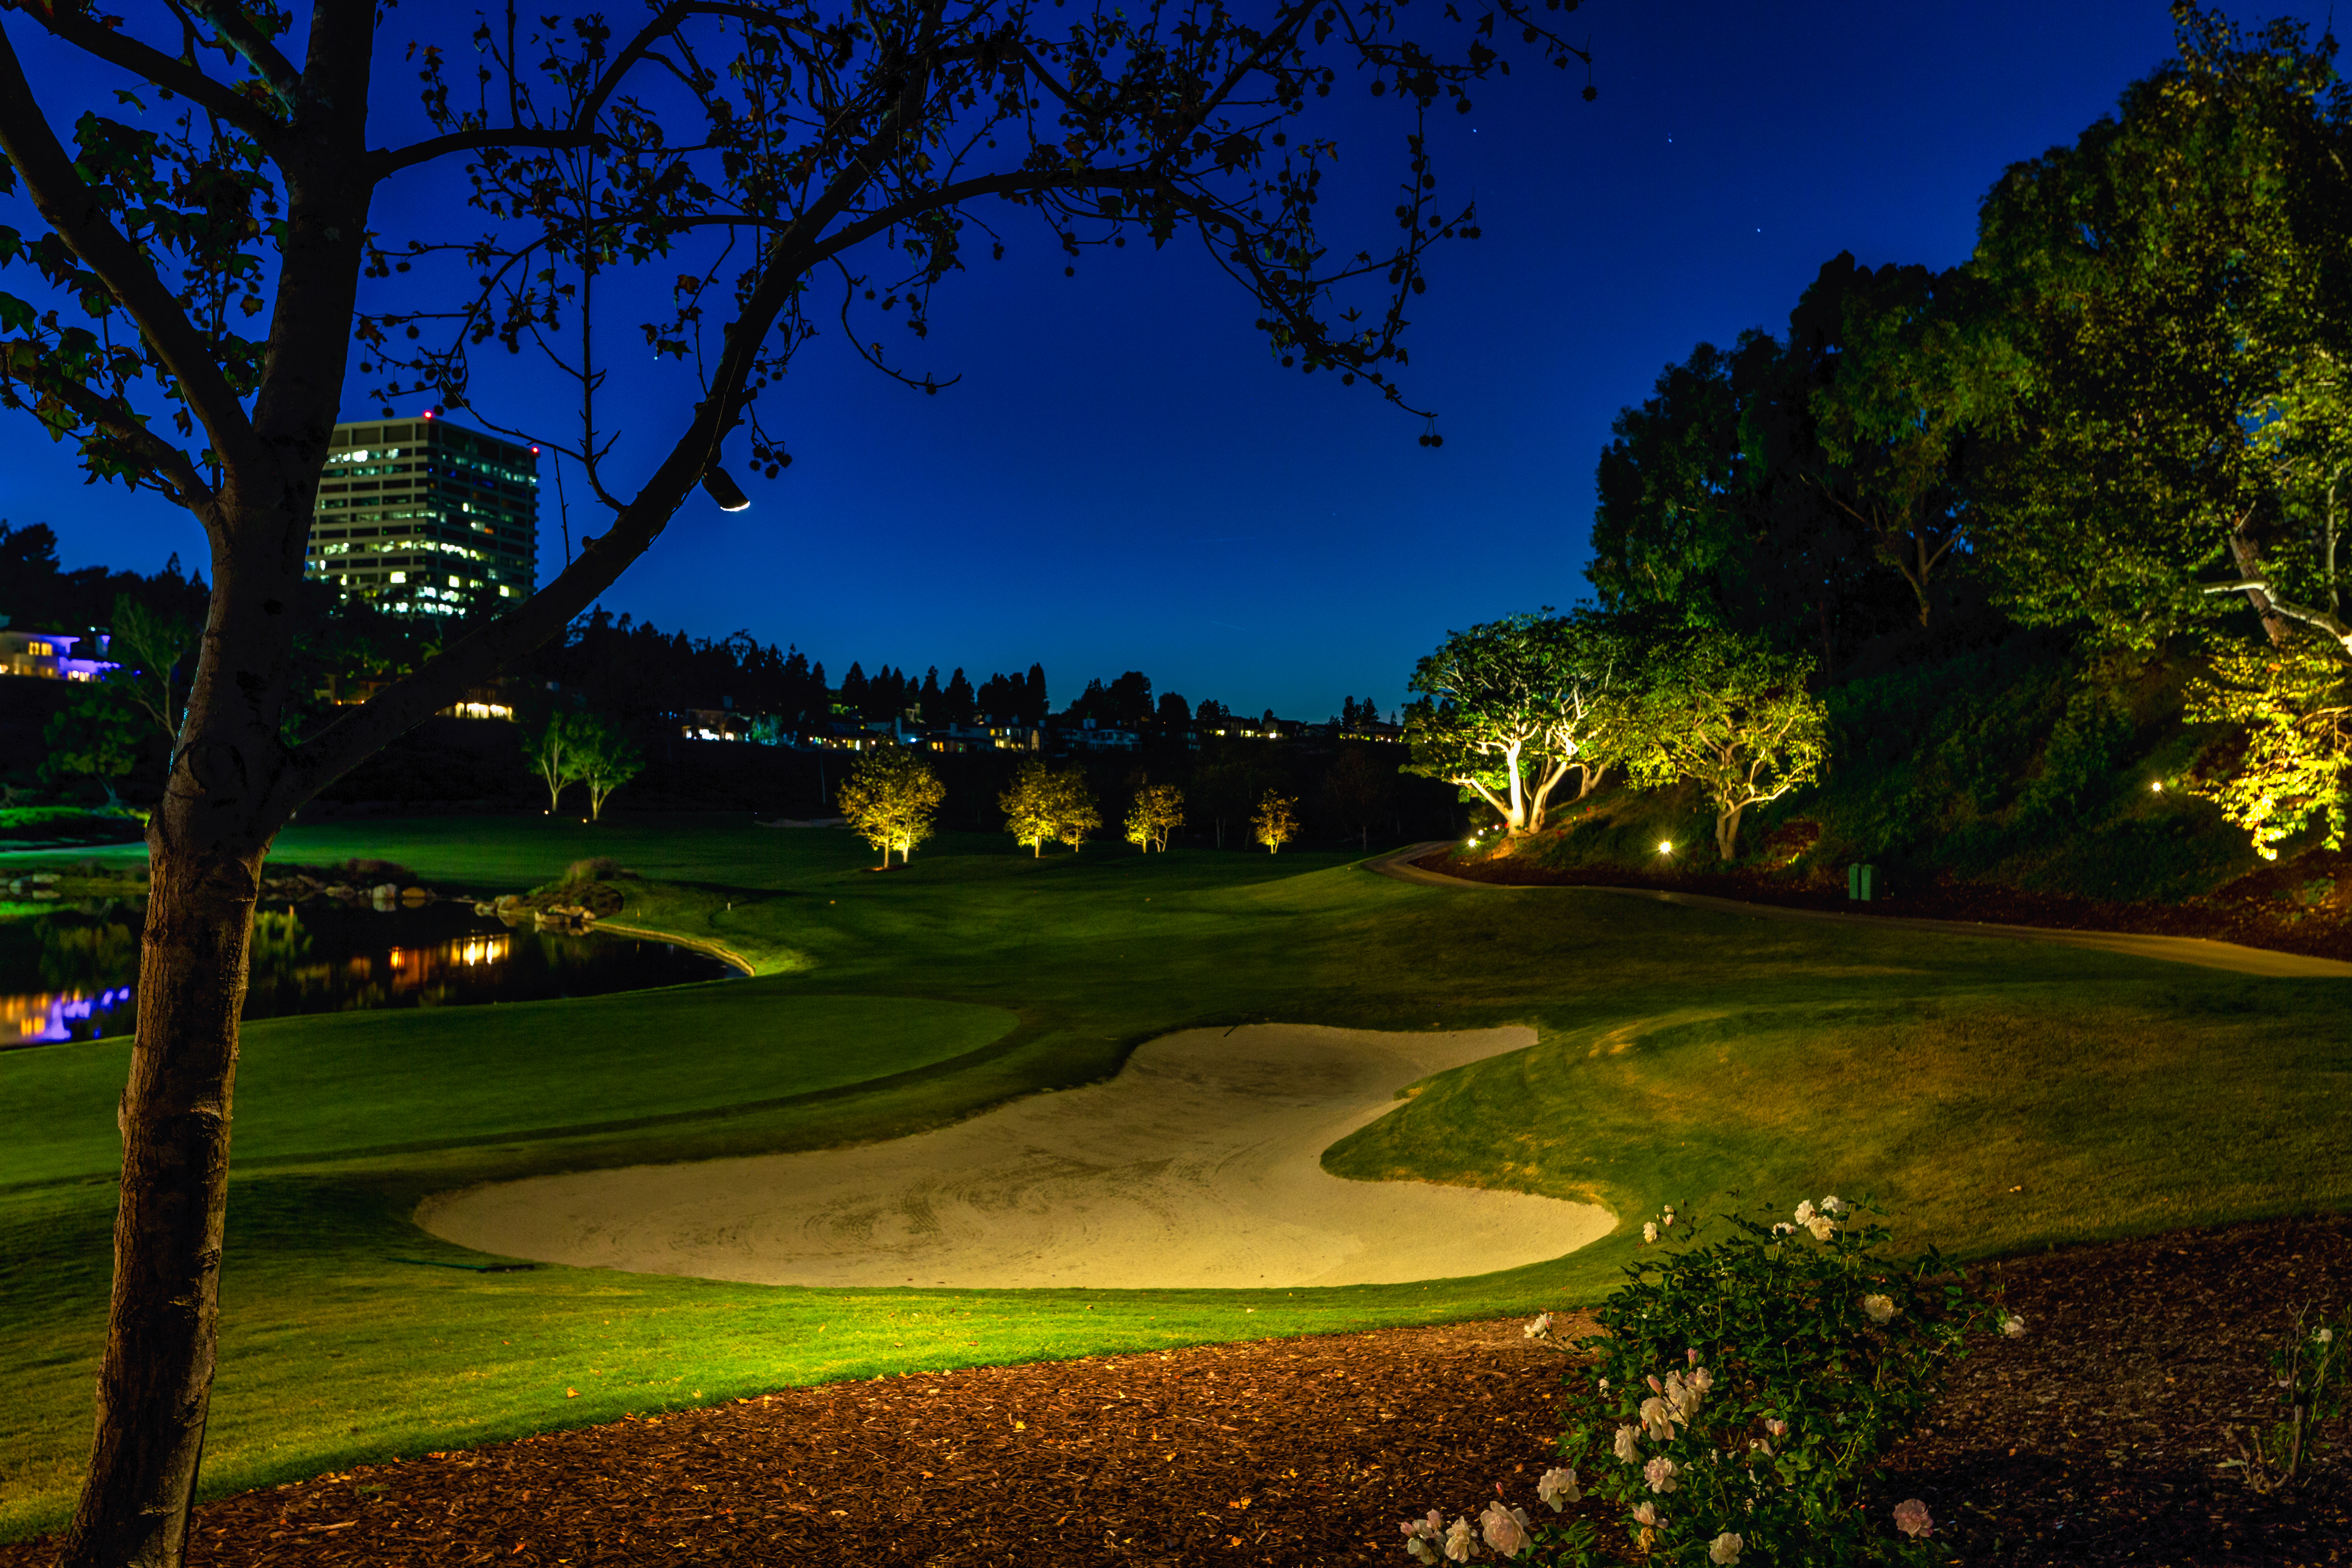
(1197, 1165)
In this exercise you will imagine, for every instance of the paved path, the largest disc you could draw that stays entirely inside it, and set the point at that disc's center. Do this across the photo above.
(2230, 955)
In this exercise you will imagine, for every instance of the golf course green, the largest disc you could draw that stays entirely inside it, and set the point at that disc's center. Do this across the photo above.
(1995, 1095)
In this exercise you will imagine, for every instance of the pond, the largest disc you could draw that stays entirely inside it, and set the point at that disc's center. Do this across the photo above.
(72, 974)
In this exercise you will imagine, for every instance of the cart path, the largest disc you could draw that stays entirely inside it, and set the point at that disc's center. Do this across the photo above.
(2204, 952)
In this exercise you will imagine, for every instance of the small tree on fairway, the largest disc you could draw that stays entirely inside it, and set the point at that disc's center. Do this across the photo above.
(890, 799)
(1226, 786)
(1735, 715)
(1360, 790)
(1509, 707)
(602, 758)
(548, 746)
(95, 735)
(1072, 804)
(1276, 822)
(1028, 806)
(1158, 811)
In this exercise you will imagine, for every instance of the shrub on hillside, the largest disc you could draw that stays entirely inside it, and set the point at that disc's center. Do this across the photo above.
(595, 868)
(1739, 1402)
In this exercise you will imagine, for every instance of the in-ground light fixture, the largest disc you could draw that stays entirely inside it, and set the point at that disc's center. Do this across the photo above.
(723, 489)
(2156, 786)
(1666, 846)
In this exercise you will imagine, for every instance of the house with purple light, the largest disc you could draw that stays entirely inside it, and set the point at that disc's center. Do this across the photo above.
(49, 656)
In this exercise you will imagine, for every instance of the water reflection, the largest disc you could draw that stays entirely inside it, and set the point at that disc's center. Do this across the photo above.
(321, 958)
(46, 1016)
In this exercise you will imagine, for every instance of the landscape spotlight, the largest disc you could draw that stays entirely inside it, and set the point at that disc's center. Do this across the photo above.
(2156, 786)
(1665, 847)
(723, 489)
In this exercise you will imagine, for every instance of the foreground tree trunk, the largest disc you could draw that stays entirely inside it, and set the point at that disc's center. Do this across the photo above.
(155, 1380)
(205, 846)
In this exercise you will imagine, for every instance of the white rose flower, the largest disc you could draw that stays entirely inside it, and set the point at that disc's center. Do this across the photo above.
(1505, 1529)
(1822, 1227)
(1805, 1212)
(1628, 1445)
(1878, 1308)
(1541, 1329)
(1835, 1207)
(1725, 1549)
(1558, 1487)
(2013, 1326)
(1650, 1230)
(1460, 1543)
(1660, 1474)
(1646, 1515)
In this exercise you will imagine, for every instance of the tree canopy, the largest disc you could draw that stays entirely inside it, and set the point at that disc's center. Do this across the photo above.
(1509, 707)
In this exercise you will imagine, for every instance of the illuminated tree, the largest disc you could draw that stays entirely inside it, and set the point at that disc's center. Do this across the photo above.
(602, 758)
(1275, 821)
(1072, 804)
(748, 160)
(547, 745)
(2295, 707)
(1158, 811)
(2174, 280)
(1028, 805)
(890, 799)
(1510, 707)
(1734, 715)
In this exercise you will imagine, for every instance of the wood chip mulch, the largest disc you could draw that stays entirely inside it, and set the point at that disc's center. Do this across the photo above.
(2095, 1440)
(2302, 905)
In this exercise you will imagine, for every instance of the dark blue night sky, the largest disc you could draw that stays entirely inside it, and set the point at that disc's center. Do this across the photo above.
(1123, 479)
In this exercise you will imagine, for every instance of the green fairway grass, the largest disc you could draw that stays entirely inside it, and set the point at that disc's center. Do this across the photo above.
(1997, 1095)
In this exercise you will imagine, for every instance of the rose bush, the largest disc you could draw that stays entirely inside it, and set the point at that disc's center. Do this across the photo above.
(1741, 1397)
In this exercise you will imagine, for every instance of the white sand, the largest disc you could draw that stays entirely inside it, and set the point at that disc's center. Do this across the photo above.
(1197, 1165)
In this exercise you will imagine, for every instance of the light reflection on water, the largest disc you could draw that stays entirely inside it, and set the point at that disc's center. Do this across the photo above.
(46, 1016)
(322, 959)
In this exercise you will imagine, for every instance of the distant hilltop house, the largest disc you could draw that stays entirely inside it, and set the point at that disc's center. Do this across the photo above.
(1089, 736)
(49, 656)
(495, 701)
(426, 517)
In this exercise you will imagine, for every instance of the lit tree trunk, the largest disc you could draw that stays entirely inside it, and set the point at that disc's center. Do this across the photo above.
(155, 1380)
(223, 803)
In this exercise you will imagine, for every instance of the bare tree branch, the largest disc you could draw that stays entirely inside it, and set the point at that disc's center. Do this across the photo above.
(277, 73)
(154, 64)
(391, 160)
(16, 364)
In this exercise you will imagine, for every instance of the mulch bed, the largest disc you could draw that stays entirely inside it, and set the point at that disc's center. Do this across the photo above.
(2095, 1439)
(2304, 905)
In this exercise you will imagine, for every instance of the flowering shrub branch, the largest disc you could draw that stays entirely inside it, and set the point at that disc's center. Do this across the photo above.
(1741, 1397)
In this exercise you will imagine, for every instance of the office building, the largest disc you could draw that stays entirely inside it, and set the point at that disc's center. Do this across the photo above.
(426, 517)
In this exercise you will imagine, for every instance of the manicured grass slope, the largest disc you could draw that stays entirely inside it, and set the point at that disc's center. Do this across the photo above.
(1683, 1056)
